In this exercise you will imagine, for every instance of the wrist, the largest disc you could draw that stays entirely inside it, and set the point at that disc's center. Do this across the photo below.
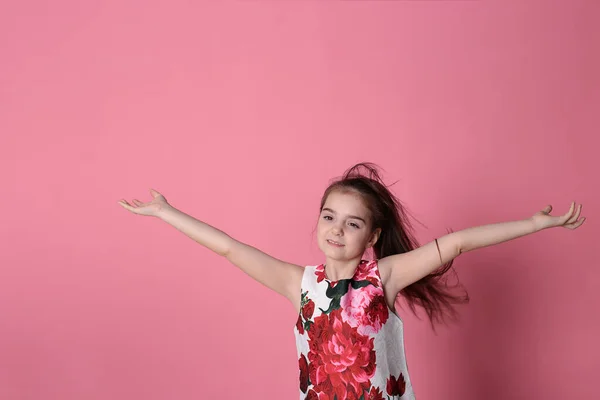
(535, 226)
(164, 211)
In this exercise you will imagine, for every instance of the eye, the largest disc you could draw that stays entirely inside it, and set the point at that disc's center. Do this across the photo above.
(327, 217)
(354, 225)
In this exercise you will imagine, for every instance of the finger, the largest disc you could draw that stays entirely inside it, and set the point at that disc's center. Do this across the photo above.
(571, 209)
(565, 217)
(575, 216)
(137, 202)
(126, 205)
(575, 225)
(570, 212)
(154, 193)
(547, 209)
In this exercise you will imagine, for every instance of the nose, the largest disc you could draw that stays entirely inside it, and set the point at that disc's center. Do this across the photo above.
(337, 229)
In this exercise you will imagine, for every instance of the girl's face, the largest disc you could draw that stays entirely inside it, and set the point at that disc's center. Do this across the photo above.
(344, 227)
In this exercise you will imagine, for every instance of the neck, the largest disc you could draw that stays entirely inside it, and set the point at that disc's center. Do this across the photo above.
(341, 269)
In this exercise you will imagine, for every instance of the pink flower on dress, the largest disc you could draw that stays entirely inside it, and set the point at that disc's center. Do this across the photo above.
(342, 361)
(365, 309)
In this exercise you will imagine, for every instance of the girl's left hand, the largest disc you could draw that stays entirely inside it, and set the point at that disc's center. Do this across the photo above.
(570, 220)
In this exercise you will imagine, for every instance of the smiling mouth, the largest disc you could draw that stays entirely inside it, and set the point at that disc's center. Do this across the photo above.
(334, 243)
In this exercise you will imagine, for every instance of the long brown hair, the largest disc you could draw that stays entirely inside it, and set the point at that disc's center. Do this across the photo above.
(433, 292)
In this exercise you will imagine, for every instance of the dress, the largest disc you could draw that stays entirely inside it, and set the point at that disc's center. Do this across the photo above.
(350, 345)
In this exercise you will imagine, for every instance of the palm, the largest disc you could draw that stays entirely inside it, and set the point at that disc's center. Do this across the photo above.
(150, 208)
(570, 220)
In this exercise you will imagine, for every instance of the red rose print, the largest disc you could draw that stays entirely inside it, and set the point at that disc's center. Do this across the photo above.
(342, 360)
(366, 271)
(303, 373)
(308, 309)
(312, 395)
(378, 311)
(300, 325)
(396, 387)
(320, 272)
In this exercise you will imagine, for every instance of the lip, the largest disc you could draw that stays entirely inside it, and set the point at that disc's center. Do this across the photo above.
(333, 243)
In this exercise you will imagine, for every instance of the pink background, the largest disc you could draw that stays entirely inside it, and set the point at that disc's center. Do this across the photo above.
(240, 113)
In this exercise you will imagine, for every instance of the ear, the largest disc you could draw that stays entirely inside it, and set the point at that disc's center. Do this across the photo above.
(374, 237)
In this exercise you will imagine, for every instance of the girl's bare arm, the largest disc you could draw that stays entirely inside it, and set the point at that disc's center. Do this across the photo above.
(280, 276)
(401, 270)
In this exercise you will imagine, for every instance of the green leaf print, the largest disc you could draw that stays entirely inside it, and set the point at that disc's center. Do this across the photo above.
(307, 325)
(338, 291)
(360, 284)
(334, 305)
(303, 299)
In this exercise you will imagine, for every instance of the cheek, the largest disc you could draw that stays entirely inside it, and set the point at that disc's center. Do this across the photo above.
(320, 229)
(355, 238)
(362, 238)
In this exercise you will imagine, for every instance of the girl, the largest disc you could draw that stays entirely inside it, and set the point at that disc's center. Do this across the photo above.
(349, 337)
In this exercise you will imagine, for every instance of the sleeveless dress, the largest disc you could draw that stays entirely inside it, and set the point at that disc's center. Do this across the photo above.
(350, 345)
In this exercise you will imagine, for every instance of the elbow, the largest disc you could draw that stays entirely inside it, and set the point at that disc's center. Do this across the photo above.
(225, 251)
(460, 249)
(459, 245)
(228, 248)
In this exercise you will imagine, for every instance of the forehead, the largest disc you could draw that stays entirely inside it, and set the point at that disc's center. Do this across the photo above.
(349, 203)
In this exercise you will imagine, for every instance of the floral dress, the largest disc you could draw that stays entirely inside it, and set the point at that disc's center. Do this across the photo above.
(350, 344)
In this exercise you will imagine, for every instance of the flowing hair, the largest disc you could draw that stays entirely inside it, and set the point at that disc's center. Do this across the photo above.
(432, 293)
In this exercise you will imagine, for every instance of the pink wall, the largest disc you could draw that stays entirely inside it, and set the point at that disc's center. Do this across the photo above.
(240, 113)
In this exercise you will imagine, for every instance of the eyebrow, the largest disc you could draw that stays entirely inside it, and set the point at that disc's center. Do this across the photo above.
(349, 216)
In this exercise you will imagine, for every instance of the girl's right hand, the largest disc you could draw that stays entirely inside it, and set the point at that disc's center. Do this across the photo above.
(151, 208)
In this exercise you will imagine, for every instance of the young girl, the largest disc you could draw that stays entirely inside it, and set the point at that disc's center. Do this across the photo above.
(348, 335)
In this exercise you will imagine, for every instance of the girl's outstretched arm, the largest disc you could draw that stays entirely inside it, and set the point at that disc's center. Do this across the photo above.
(282, 277)
(404, 269)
